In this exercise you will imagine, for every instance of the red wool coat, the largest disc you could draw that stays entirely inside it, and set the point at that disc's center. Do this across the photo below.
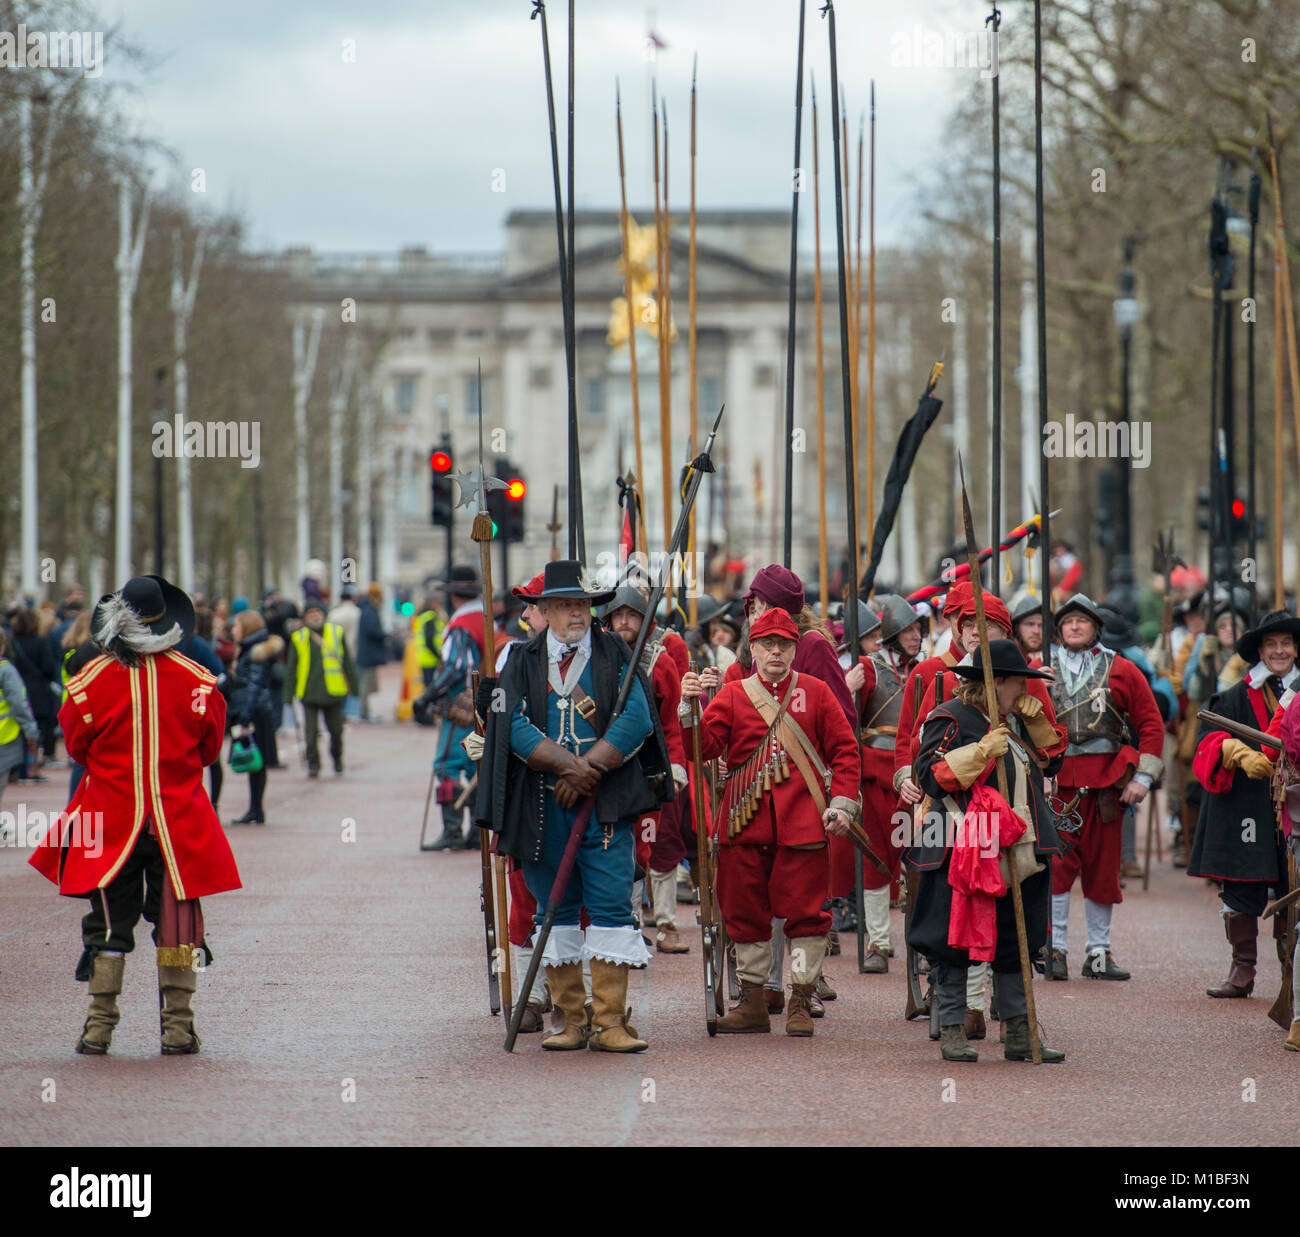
(144, 736)
(732, 727)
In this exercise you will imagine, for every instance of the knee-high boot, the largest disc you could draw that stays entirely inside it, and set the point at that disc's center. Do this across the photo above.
(176, 985)
(105, 987)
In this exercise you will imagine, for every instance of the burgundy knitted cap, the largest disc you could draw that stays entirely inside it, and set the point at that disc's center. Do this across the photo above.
(778, 586)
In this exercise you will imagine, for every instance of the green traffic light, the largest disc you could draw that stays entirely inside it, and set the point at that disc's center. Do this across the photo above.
(494, 530)
(408, 609)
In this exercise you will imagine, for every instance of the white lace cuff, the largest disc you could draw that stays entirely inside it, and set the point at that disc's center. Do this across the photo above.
(617, 945)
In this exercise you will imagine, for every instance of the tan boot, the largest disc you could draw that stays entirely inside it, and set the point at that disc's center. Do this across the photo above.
(568, 996)
(1293, 1039)
(668, 942)
(105, 986)
(798, 1015)
(610, 1029)
(176, 985)
(750, 1017)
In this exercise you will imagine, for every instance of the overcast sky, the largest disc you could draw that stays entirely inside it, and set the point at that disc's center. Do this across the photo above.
(399, 146)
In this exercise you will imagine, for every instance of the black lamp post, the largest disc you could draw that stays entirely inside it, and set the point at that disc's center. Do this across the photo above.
(1123, 595)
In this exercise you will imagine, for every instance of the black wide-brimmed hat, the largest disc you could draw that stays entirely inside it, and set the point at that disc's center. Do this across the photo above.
(568, 579)
(1007, 659)
(463, 581)
(154, 602)
(1278, 622)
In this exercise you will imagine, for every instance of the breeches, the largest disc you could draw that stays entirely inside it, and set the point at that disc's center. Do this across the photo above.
(757, 884)
(1095, 855)
(602, 874)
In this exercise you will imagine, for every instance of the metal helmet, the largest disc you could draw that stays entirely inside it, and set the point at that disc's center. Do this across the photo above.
(1080, 603)
(1026, 607)
(895, 614)
(626, 595)
(868, 619)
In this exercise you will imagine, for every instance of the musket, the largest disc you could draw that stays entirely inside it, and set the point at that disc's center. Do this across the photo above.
(850, 434)
(1239, 729)
(795, 195)
(1283, 1008)
(991, 699)
(702, 464)
(708, 912)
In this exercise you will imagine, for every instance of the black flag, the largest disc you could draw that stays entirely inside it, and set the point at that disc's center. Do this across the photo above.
(900, 468)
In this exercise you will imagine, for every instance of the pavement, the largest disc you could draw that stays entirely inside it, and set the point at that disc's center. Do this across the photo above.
(347, 1005)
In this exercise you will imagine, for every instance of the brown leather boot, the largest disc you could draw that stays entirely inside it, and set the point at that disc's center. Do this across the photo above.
(774, 998)
(668, 942)
(975, 1027)
(1293, 1038)
(750, 1017)
(105, 987)
(568, 995)
(610, 1029)
(799, 1016)
(1243, 935)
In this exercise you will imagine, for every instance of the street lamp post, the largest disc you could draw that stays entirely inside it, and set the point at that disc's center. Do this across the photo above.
(1123, 596)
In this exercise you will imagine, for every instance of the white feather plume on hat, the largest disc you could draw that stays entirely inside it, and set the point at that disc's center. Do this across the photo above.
(119, 623)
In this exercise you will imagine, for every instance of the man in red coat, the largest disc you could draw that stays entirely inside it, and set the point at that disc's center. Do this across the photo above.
(777, 587)
(1102, 700)
(660, 845)
(140, 835)
(792, 777)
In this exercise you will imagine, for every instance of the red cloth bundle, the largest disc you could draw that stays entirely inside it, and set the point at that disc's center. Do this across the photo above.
(973, 872)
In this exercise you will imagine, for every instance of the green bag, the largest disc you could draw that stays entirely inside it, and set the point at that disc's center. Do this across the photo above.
(245, 755)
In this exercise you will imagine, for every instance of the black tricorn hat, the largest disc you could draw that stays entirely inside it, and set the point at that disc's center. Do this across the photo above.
(566, 578)
(1280, 622)
(1007, 659)
(158, 605)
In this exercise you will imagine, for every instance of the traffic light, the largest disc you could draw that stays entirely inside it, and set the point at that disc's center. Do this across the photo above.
(516, 490)
(506, 507)
(1241, 522)
(440, 468)
(1203, 508)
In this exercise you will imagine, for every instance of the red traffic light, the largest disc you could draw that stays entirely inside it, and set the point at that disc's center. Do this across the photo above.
(516, 490)
(440, 461)
(1238, 509)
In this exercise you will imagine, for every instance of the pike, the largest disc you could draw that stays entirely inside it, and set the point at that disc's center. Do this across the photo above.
(962, 570)
(794, 276)
(473, 487)
(991, 699)
(577, 539)
(703, 463)
(554, 526)
(994, 19)
(693, 616)
(823, 564)
(850, 480)
(1040, 323)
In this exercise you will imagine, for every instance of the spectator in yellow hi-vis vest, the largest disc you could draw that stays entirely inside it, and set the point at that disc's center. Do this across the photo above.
(320, 673)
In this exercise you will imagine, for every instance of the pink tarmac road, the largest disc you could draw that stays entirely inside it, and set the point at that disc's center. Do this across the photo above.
(348, 1006)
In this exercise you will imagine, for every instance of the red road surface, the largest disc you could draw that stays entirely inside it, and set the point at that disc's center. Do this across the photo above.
(355, 968)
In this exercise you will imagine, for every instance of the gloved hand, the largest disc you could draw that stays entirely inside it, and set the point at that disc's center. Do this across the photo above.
(993, 744)
(1233, 752)
(483, 697)
(1256, 765)
(1028, 706)
(472, 744)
